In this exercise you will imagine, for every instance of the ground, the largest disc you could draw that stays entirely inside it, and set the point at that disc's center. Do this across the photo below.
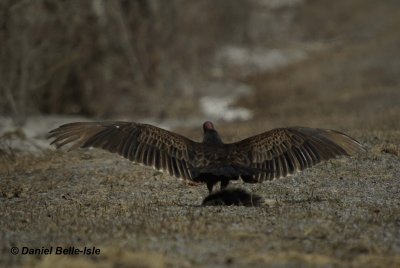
(342, 212)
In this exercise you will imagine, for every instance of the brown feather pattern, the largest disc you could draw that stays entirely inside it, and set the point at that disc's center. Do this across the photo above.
(272, 154)
(283, 151)
(140, 143)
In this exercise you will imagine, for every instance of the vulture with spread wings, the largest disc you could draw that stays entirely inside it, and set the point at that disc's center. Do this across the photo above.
(266, 156)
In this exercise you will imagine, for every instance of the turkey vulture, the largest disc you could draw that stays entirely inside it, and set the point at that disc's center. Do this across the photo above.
(266, 156)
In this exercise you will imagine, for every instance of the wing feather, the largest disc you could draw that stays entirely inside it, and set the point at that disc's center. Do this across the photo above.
(140, 143)
(284, 151)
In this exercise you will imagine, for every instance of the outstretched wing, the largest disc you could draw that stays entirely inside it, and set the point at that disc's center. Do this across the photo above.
(283, 151)
(140, 143)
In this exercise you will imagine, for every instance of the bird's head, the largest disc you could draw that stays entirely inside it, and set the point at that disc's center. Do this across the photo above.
(208, 126)
(210, 134)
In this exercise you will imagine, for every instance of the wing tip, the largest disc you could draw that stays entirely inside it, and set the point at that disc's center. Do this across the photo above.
(348, 144)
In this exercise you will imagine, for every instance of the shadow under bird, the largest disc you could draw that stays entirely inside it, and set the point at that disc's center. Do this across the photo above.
(266, 156)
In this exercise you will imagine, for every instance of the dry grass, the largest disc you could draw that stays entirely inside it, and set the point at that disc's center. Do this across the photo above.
(343, 212)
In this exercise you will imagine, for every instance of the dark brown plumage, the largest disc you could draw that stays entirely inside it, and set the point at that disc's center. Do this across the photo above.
(233, 197)
(272, 154)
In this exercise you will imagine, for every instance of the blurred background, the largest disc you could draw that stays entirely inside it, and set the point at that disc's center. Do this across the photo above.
(266, 63)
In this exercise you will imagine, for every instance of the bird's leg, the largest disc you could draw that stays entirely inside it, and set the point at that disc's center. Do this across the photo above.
(210, 186)
(224, 184)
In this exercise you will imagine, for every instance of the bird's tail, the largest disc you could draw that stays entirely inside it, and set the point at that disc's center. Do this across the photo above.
(229, 171)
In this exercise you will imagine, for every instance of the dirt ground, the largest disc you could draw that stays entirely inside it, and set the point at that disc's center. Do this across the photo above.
(344, 212)
(341, 213)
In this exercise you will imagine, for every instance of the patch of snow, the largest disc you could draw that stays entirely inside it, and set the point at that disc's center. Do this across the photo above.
(218, 104)
(32, 136)
(220, 108)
